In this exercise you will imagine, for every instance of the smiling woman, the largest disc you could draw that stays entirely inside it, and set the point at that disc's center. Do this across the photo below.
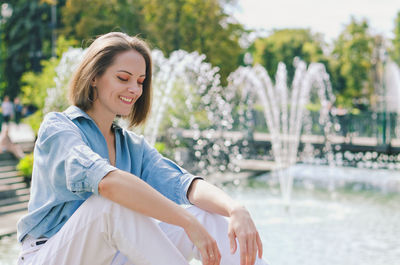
(117, 90)
(97, 187)
(128, 62)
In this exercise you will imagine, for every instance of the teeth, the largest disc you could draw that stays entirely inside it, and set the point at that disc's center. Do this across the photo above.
(126, 99)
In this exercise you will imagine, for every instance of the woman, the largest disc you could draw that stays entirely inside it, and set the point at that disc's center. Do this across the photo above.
(8, 109)
(96, 187)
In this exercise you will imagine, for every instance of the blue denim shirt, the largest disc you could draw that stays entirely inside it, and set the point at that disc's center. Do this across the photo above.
(70, 159)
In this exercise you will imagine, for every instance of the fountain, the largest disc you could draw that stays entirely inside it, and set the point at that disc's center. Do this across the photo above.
(285, 108)
(392, 97)
(57, 96)
(188, 99)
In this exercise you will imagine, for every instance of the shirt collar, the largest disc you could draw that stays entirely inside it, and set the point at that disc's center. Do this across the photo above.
(73, 112)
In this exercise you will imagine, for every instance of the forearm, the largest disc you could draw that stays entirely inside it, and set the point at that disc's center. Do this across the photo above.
(211, 198)
(132, 192)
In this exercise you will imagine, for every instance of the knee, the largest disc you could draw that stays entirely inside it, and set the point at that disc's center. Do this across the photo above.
(103, 205)
(99, 202)
(112, 211)
(206, 218)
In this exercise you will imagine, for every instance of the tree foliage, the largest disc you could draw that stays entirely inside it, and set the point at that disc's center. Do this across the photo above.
(36, 84)
(27, 40)
(195, 25)
(395, 53)
(85, 19)
(191, 25)
(284, 45)
(351, 64)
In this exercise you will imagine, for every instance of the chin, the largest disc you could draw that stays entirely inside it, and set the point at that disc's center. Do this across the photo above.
(124, 113)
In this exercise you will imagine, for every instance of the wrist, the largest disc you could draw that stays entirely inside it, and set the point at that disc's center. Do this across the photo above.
(235, 208)
(187, 220)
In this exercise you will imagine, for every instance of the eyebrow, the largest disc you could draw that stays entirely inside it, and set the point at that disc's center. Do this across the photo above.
(129, 72)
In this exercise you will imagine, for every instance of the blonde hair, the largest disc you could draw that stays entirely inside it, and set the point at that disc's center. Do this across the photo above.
(99, 56)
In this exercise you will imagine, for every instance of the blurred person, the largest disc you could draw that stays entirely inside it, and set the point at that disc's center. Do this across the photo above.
(7, 108)
(18, 108)
(102, 195)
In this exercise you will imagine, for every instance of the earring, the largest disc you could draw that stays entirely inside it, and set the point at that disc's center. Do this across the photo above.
(91, 93)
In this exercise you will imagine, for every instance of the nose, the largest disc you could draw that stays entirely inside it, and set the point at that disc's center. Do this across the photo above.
(135, 89)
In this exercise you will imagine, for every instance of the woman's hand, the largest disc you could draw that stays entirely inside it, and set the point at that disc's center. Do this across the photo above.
(242, 227)
(211, 198)
(206, 245)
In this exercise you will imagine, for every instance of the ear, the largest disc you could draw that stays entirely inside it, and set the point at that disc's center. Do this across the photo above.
(93, 82)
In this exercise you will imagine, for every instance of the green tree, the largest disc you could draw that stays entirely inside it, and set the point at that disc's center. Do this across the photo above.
(36, 84)
(283, 46)
(85, 19)
(27, 40)
(191, 25)
(351, 65)
(3, 53)
(395, 53)
(195, 25)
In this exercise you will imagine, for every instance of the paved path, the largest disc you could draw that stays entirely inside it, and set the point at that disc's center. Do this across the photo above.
(21, 133)
(8, 223)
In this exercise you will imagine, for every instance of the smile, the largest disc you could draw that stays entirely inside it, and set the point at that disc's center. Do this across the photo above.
(125, 99)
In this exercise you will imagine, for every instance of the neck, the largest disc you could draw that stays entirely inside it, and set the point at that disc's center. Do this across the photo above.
(103, 120)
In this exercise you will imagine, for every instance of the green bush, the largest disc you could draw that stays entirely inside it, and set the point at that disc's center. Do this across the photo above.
(25, 165)
(161, 148)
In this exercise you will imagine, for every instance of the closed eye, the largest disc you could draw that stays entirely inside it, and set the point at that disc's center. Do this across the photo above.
(122, 79)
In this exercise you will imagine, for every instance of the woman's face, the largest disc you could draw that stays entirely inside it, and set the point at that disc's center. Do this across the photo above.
(121, 84)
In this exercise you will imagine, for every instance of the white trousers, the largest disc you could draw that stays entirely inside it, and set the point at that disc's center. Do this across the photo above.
(103, 232)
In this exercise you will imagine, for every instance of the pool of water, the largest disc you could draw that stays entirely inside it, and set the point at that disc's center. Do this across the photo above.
(345, 225)
(327, 228)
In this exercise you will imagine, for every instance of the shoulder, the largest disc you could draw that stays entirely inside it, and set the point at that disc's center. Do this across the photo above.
(56, 120)
(55, 123)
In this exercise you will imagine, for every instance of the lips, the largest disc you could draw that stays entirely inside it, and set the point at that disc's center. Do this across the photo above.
(126, 100)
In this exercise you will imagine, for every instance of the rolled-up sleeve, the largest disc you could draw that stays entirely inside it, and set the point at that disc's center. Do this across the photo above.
(67, 158)
(84, 169)
(165, 176)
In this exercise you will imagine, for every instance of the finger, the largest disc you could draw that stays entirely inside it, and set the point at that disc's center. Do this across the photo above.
(259, 246)
(205, 256)
(214, 253)
(243, 250)
(253, 250)
(219, 258)
(249, 252)
(217, 254)
(212, 257)
(232, 242)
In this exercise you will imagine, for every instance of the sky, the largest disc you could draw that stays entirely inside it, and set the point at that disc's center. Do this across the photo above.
(328, 17)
